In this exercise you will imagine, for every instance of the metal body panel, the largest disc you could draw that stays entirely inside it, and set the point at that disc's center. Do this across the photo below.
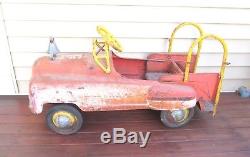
(76, 79)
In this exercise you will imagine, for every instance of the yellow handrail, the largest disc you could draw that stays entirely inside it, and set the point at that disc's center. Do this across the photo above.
(180, 26)
(223, 65)
(106, 56)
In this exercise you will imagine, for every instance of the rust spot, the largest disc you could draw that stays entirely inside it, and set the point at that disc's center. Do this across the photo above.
(74, 80)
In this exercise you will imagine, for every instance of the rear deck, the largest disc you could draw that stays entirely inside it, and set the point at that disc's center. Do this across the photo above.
(25, 134)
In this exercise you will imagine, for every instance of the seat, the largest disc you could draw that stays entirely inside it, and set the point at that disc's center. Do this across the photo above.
(161, 68)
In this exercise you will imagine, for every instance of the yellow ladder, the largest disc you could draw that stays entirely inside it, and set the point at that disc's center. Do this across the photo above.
(223, 64)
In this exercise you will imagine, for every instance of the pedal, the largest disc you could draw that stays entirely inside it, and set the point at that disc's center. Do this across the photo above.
(208, 106)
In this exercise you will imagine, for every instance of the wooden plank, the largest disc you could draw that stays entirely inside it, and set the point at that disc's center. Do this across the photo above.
(124, 13)
(92, 126)
(180, 3)
(119, 29)
(129, 44)
(177, 136)
(124, 150)
(220, 137)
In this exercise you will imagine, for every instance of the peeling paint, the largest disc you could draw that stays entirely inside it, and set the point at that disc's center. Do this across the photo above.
(171, 105)
(70, 80)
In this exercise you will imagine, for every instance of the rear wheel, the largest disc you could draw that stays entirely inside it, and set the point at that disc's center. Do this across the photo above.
(177, 118)
(64, 119)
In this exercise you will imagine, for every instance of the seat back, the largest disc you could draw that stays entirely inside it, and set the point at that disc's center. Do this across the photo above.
(161, 62)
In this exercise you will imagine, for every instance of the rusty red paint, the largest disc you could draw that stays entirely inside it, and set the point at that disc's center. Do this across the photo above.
(205, 84)
(162, 62)
(76, 79)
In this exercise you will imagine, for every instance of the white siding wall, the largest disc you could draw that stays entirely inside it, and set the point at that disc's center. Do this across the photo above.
(7, 77)
(143, 26)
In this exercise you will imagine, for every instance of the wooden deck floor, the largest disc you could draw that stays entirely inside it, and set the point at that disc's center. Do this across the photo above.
(23, 134)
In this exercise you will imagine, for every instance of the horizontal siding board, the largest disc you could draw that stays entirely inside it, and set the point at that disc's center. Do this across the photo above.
(228, 85)
(230, 72)
(180, 3)
(142, 26)
(24, 73)
(7, 82)
(232, 85)
(124, 13)
(1, 16)
(27, 59)
(130, 45)
(128, 30)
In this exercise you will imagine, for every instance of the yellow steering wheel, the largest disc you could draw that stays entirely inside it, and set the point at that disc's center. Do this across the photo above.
(109, 38)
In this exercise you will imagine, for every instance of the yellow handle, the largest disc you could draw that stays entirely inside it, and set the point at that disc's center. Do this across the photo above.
(106, 57)
(180, 26)
(223, 65)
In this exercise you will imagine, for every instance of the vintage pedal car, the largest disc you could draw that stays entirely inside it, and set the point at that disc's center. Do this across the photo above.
(103, 81)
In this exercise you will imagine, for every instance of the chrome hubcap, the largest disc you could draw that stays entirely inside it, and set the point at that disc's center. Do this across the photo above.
(179, 115)
(63, 119)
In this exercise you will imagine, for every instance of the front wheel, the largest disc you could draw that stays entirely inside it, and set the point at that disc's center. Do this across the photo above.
(64, 119)
(177, 118)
